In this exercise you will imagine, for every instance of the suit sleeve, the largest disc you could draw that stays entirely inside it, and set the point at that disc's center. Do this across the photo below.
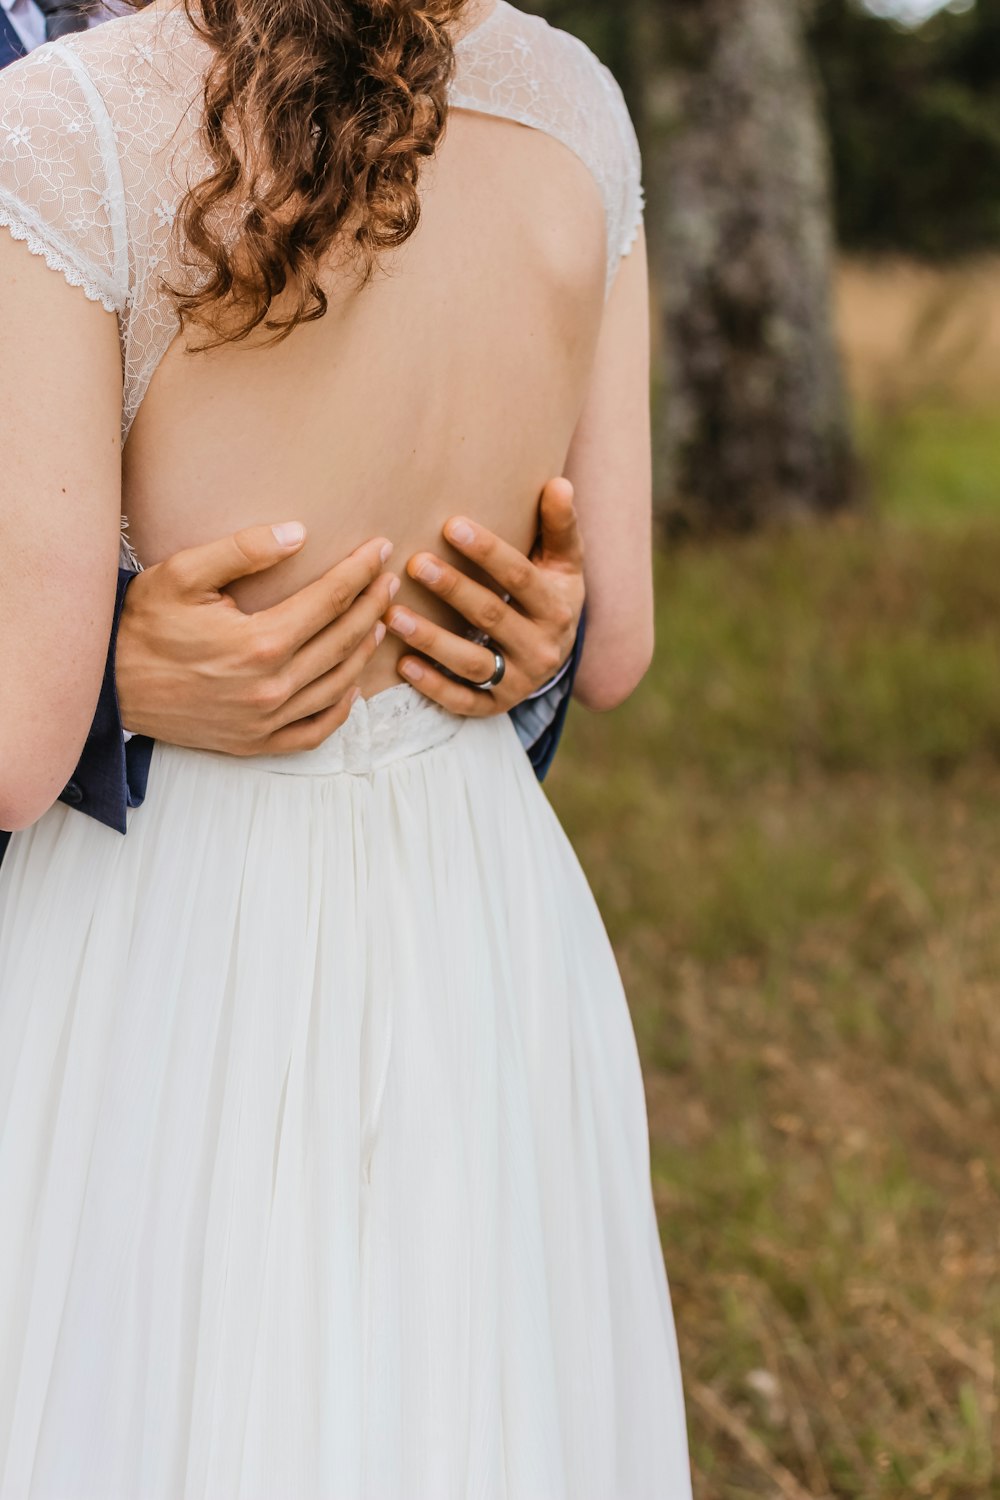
(541, 720)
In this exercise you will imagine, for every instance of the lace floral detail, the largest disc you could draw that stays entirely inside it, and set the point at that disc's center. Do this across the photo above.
(520, 68)
(100, 137)
(105, 134)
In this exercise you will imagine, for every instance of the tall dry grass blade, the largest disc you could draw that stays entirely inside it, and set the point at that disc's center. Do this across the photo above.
(749, 1443)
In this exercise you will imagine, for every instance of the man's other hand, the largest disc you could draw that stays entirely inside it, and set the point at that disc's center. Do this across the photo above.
(535, 631)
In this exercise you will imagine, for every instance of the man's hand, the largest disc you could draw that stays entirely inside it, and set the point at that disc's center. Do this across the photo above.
(194, 670)
(535, 632)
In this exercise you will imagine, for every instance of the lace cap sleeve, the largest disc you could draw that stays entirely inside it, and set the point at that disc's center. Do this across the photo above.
(625, 197)
(60, 184)
(520, 68)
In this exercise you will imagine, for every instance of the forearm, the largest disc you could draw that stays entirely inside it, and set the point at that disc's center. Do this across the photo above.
(610, 464)
(44, 715)
(60, 503)
(111, 776)
(614, 663)
(53, 661)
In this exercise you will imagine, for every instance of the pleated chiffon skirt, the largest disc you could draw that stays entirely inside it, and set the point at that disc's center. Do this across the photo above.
(324, 1156)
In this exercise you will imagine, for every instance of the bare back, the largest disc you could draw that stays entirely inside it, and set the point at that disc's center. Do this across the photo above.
(458, 376)
(452, 375)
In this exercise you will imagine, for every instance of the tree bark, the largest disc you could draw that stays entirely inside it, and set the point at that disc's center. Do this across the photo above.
(752, 417)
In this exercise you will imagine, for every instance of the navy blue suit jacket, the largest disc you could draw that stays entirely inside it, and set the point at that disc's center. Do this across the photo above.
(11, 46)
(112, 774)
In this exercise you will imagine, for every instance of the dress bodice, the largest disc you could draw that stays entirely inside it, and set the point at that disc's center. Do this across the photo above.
(100, 137)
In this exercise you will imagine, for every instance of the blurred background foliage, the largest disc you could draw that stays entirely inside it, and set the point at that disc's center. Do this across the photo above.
(915, 128)
(894, 96)
(794, 826)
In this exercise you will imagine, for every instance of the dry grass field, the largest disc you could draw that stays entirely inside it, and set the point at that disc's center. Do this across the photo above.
(794, 833)
(912, 334)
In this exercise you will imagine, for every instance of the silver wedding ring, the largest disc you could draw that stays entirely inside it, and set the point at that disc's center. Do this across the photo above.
(499, 673)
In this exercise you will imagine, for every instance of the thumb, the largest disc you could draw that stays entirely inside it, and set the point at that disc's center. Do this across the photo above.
(208, 568)
(560, 531)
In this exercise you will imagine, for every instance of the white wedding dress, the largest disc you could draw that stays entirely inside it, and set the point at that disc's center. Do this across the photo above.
(324, 1157)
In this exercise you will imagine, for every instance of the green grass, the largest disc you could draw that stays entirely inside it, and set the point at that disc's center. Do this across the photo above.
(794, 833)
(937, 463)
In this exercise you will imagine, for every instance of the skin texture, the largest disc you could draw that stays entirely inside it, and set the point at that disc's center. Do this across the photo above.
(193, 669)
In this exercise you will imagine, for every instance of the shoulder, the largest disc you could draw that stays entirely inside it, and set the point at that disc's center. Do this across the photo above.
(538, 54)
(51, 65)
(51, 87)
(113, 42)
(57, 166)
(519, 66)
(100, 67)
(41, 74)
(47, 123)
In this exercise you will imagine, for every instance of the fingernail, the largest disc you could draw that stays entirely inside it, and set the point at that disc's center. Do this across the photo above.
(393, 587)
(355, 694)
(461, 532)
(429, 572)
(411, 669)
(379, 633)
(402, 622)
(289, 534)
(386, 552)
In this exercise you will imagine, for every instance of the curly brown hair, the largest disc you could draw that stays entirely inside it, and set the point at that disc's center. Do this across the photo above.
(317, 115)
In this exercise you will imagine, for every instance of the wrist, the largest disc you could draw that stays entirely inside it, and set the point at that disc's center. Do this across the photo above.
(553, 682)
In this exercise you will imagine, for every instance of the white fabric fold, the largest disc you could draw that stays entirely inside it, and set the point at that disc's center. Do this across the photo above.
(324, 1159)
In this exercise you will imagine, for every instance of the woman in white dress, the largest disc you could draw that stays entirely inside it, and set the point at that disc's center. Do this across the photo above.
(324, 1159)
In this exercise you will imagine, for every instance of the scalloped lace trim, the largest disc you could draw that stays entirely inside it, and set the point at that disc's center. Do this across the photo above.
(56, 262)
(629, 242)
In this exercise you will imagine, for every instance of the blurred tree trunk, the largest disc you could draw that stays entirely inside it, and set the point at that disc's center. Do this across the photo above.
(752, 417)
